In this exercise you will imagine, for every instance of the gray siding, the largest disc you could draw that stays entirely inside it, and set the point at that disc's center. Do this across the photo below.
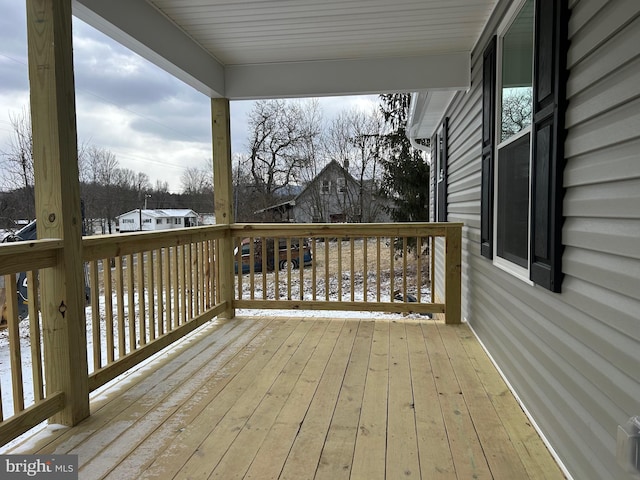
(573, 358)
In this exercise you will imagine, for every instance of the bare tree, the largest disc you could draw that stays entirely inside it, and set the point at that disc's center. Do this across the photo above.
(517, 105)
(102, 178)
(353, 140)
(17, 162)
(279, 135)
(197, 180)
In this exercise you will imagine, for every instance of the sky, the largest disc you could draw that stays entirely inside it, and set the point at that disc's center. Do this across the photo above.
(151, 121)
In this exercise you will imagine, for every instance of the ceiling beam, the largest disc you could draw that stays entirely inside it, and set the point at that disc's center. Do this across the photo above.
(348, 77)
(137, 25)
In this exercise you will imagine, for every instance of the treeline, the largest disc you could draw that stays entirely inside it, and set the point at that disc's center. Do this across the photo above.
(102, 203)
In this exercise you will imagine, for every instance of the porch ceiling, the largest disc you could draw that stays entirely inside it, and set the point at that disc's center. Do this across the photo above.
(288, 48)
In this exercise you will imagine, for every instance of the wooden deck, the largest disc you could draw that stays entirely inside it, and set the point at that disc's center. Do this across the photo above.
(296, 398)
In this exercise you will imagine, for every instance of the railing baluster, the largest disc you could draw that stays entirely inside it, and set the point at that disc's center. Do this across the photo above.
(339, 274)
(194, 287)
(326, 267)
(365, 273)
(216, 272)
(120, 304)
(175, 259)
(301, 255)
(252, 267)
(208, 284)
(432, 271)
(108, 307)
(378, 255)
(314, 276)
(95, 315)
(202, 284)
(289, 260)
(353, 271)
(404, 268)
(419, 269)
(192, 282)
(182, 273)
(239, 266)
(141, 300)
(15, 358)
(168, 298)
(160, 286)
(151, 294)
(276, 267)
(392, 276)
(35, 336)
(263, 241)
(131, 313)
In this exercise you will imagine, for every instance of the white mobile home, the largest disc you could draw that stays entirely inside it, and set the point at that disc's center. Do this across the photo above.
(152, 220)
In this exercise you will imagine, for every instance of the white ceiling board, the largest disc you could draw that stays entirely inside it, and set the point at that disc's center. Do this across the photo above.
(247, 48)
(343, 77)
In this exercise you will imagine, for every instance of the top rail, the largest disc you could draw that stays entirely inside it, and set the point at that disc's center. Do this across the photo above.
(18, 257)
(105, 246)
(342, 229)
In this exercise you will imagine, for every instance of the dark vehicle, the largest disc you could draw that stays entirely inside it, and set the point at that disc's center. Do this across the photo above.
(299, 253)
(28, 233)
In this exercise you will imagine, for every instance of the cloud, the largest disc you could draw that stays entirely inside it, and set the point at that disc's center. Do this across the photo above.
(151, 121)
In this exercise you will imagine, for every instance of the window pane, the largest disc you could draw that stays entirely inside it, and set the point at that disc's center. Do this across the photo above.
(513, 202)
(517, 68)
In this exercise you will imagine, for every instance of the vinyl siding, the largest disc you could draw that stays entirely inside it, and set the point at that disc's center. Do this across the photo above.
(573, 358)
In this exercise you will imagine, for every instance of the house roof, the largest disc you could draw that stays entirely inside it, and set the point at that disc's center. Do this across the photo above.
(331, 165)
(292, 202)
(296, 48)
(162, 213)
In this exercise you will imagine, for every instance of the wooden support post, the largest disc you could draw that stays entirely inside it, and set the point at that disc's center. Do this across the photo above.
(453, 274)
(57, 193)
(223, 196)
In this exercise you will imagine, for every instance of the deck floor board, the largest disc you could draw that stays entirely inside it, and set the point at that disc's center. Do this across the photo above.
(309, 398)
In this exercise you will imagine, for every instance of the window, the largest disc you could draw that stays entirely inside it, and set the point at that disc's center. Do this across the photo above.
(341, 185)
(512, 188)
(326, 187)
(522, 142)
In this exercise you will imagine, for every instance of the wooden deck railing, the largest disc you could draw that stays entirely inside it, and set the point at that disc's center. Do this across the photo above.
(26, 404)
(382, 267)
(149, 289)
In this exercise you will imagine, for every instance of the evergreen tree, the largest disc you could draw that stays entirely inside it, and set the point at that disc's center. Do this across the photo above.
(406, 174)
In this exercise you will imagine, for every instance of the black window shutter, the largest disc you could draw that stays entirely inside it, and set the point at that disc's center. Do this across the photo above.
(442, 174)
(488, 141)
(549, 100)
(434, 169)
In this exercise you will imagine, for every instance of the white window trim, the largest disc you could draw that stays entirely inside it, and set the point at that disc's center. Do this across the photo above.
(500, 262)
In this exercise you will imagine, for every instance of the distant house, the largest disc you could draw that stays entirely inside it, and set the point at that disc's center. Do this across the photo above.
(333, 196)
(156, 219)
